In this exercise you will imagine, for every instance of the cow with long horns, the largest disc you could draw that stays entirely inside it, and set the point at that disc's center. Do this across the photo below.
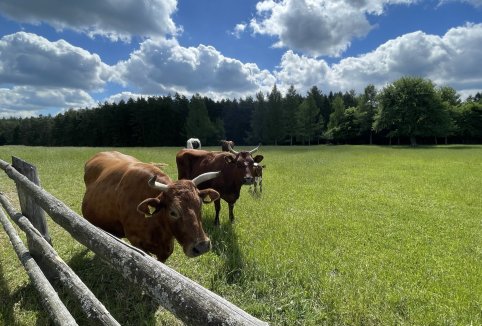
(236, 170)
(136, 200)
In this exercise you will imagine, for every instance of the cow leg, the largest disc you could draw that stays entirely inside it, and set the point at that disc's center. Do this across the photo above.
(231, 214)
(261, 185)
(217, 208)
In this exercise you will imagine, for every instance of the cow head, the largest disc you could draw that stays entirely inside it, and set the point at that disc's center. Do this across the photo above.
(180, 204)
(193, 143)
(243, 164)
(226, 145)
(258, 169)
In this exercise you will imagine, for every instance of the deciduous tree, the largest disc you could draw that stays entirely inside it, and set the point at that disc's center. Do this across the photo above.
(411, 107)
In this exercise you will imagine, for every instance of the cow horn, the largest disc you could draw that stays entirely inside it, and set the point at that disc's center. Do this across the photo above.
(231, 150)
(205, 177)
(254, 150)
(157, 185)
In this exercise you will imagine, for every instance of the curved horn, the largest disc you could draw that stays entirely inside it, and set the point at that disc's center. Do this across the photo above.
(231, 150)
(205, 177)
(157, 185)
(254, 150)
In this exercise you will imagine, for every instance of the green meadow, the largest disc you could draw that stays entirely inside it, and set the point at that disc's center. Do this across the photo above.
(341, 235)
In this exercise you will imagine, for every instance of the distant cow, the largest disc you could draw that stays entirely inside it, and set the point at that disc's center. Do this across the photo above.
(236, 170)
(258, 177)
(193, 143)
(136, 200)
(226, 145)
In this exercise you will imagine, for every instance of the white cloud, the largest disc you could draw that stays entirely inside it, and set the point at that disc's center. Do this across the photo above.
(29, 59)
(39, 76)
(238, 30)
(302, 72)
(162, 66)
(317, 27)
(125, 96)
(29, 101)
(452, 60)
(110, 18)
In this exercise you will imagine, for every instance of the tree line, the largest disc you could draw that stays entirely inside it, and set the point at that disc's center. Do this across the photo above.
(411, 110)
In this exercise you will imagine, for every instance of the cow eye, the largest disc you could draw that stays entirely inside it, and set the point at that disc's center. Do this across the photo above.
(173, 214)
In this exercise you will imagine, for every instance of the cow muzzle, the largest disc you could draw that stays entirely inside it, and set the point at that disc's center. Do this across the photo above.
(199, 248)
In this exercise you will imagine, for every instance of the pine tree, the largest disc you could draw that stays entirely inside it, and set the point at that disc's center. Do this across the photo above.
(289, 108)
(274, 125)
(198, 124)
(308, 122)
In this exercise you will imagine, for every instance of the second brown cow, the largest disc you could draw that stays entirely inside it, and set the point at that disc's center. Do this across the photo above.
(236, 170)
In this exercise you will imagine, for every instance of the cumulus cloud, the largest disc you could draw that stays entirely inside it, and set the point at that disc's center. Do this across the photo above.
(36, 75)
(124, 96)
(238, 30)
(162, 66)
(110, 18)
(302, 72)
(446, 60)
(29, 59)
(30, 101)
(317, 27)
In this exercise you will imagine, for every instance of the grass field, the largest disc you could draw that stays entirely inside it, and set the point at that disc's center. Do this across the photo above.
(342, 235)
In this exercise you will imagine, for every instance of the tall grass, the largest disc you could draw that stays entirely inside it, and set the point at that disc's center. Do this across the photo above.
(353, 235)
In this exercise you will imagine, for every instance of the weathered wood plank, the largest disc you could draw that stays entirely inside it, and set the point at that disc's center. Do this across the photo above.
(58, 269)
(190, 302)
(49, 298)
(29, 208)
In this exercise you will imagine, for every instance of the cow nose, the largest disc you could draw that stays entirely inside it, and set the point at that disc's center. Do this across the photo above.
(248, 180)
(201, 247)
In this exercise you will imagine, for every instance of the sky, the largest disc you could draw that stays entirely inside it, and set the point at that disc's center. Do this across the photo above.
(56, 55)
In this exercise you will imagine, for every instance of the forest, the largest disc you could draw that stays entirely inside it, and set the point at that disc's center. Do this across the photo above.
(411, 110)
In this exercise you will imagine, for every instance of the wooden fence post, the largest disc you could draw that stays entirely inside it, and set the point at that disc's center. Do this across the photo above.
(28, 206)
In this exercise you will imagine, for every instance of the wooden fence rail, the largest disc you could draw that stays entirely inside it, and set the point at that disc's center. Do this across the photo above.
(49, 298)
(51, 262)
(187, 300)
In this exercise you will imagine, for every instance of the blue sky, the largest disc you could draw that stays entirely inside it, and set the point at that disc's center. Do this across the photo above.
(75, 54)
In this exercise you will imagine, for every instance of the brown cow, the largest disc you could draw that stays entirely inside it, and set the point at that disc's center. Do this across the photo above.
(136, 200)
(236, 170)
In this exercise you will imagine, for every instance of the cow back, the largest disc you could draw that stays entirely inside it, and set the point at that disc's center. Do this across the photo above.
(115, 184)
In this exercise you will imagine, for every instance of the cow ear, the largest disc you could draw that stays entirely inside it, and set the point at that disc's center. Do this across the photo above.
(208, 195)
(263, 166)
(258, 158)
(229, 159)
(149, 207)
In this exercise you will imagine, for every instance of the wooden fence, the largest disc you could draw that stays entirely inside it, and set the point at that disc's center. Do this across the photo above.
(187, 300)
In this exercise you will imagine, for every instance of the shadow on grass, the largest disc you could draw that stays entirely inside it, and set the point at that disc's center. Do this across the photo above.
(255, 194)
(125, 301)
(225, 245)
(26, 297)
